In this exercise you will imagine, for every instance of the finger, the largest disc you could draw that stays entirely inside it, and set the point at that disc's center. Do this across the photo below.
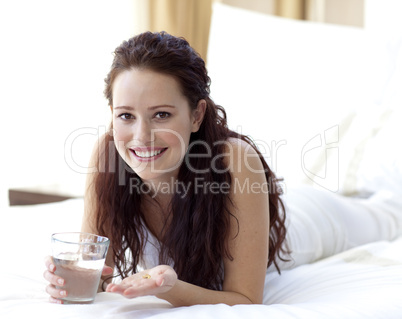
(109, 287)
(165, 277)
(168, 280)
(160, 281)
(141, 289)
(54, 300)
(132, 292)
(49, 263)
(53, 279)
(55, 293)
(107, 271)
(116, 288)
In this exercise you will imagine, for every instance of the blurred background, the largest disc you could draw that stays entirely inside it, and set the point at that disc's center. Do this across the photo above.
(56, 53)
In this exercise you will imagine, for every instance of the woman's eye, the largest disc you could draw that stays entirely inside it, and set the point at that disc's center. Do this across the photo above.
(162, 115)
(126, 116)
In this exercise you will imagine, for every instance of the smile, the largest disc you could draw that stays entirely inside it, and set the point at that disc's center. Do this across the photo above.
(147, 154)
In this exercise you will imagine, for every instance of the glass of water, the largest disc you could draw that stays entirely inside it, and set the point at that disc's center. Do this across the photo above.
(79, 259)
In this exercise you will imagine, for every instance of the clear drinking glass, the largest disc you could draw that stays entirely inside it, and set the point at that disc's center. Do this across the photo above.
(79, 259)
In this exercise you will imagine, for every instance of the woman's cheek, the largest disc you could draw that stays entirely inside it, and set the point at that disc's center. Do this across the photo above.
(120, 141)
(120, 133)
(177, 141)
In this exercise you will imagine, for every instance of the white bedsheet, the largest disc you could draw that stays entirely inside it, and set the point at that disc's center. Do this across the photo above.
(365, 282)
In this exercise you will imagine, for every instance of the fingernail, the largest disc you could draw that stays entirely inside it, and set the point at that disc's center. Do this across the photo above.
(63, 293)
(60, 282)
(52, 267)
(58, 301)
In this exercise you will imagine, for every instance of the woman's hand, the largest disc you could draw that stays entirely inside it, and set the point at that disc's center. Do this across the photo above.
(157, 280)
(58, 292)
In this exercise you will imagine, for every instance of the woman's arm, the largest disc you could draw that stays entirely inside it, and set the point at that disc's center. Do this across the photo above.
(248, 239)
(244, 276)
(185, 294)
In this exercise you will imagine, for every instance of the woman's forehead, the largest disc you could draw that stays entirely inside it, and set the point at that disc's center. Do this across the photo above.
(146, 87)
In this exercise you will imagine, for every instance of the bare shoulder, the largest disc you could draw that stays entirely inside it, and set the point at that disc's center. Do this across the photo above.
(242, 158)
(249, 183)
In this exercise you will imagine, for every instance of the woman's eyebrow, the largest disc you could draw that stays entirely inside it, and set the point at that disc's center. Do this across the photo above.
(159, 106)
(123, 107)
(149, 108)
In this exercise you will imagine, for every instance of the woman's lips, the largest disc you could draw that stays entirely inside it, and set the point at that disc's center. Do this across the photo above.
(147, 154)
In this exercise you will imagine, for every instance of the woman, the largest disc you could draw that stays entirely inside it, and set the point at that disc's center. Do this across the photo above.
(191, 208)
(175, 190)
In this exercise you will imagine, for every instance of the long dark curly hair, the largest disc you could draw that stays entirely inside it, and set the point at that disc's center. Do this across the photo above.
(197, 236)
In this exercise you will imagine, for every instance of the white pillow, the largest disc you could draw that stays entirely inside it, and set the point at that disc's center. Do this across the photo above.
(381, 166)
(290, 84)
(370, 159)
(357, 134)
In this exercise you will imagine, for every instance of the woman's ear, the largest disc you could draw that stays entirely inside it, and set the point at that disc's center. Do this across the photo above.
(198, 115)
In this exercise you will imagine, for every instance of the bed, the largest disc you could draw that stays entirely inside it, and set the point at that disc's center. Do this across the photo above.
(365, 282)
(322, 119)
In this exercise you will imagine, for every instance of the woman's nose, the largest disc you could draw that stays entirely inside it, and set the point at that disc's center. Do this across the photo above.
(143, 132)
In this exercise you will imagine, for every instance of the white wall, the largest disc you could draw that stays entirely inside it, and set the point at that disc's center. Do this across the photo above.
(345, 12)
(265, 6)
(383, 16)
(55, 55)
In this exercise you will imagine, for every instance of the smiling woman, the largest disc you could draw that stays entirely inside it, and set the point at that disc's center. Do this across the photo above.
(193, 212)
(170, 165)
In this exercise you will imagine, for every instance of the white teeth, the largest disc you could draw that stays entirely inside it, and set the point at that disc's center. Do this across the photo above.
(148, 154)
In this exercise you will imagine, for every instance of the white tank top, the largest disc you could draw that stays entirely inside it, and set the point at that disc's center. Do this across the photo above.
(150, 255)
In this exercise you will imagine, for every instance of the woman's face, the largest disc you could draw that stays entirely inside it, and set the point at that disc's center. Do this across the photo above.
(152, 122)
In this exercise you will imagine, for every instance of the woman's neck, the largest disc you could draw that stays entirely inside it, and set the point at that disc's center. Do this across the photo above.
(161, 189)
(156, 212)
